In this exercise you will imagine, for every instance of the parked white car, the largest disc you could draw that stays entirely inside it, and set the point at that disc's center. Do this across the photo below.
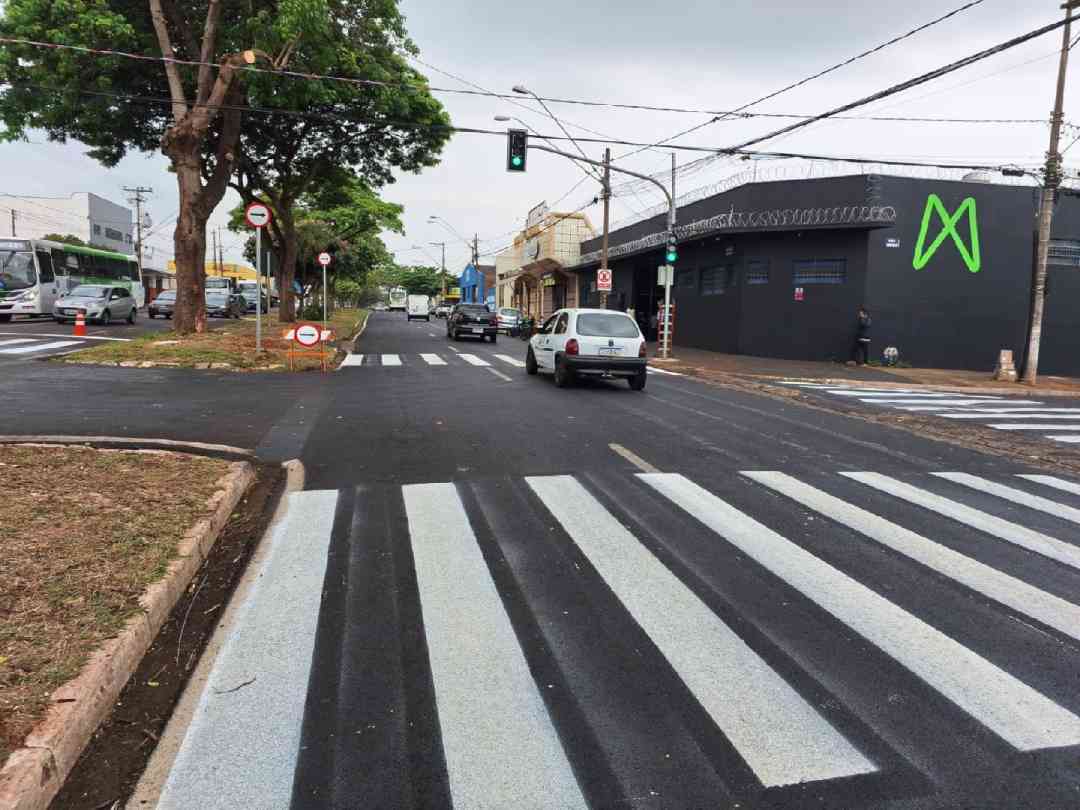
(588, 342)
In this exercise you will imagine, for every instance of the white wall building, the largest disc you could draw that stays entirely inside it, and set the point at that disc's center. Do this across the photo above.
(93, 219)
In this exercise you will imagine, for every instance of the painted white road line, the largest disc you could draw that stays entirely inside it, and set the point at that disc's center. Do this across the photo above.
(654, 370)
(1010, 708)
(451, 348)
(391, 360)
(1022, 426)
(1001, 587)
(939, 402)
(1035, 502)
(783, 738)
(633, 458)
(983, 521)
(353, 360)
(499, 742)
(500, 375)
(1012, 414)
(58, 335)
(904, 395)
(433, 359)
(1005, 410)
(1066, 439)
(264, 662)
(1053, 481)
(17, 340)
(473, 360)
(511, 360)
(431, 334)
(41, 347)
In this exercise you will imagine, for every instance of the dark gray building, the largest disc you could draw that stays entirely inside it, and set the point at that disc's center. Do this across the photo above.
(779, 269)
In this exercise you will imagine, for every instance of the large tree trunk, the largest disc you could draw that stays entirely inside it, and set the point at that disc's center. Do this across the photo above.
(290, 249)
(189, 244)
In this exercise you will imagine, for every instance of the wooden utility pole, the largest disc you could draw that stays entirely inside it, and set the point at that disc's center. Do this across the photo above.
(1051, 183)
(606, 195)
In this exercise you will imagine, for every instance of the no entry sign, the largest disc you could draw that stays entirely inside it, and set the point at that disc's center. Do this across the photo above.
(325, 259)
(257, 215)
(603, 280)
(307, 334)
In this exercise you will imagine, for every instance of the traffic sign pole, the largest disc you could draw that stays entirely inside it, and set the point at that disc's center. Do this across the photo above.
(324, 259)
(258, 290)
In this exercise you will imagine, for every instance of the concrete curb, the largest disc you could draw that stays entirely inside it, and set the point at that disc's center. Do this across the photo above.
(129, 443)
(367, 320)
(35, 773)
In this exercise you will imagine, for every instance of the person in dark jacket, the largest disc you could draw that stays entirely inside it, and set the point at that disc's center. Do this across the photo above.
(860, 351)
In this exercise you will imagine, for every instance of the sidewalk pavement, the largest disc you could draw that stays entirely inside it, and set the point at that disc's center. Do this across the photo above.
(718, 366)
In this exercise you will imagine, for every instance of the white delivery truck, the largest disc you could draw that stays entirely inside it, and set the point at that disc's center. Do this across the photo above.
(419, 306)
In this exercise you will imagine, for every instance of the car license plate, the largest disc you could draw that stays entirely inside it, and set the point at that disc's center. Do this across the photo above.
(610, 350)
(478, 330)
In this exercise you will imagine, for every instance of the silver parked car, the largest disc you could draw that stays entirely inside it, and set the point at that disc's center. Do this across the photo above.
(101, 303)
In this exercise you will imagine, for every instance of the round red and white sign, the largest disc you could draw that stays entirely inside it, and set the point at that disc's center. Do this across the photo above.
(603, 280)
(307, 334)
(324, 259)
(257, 215)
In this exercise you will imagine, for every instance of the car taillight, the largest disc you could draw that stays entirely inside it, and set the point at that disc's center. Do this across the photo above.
(641, 351)
(571, 346)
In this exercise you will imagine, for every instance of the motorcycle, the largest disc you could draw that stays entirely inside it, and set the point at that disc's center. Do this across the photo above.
(523, 328)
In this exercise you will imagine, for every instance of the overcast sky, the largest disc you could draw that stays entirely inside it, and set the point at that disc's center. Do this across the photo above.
(705, 55)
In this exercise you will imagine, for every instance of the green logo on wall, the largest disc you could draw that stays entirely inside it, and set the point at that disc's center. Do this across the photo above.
(971, 256)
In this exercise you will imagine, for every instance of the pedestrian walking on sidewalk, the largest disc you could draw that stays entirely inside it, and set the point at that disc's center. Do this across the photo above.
(860, 351)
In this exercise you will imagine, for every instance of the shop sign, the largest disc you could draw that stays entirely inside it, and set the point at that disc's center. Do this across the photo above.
(536, 215)
(548, 281)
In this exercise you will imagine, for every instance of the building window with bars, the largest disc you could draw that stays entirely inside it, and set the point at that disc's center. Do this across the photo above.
(819, 271)
(757, 271)
(1064, 252)
(715, 280)
(686, 280)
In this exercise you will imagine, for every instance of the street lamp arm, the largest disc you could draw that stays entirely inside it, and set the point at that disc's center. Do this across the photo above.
(653, 180)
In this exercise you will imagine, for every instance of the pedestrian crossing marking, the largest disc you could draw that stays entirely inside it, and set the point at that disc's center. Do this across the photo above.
(500, 745)
(1013, 414)
(511, 360)
(17, 340)
(739, 690)
(1015, 495)
(391, 360)
(41, 347)
(353, 360)
(1014, 711)
(1052, 481)
(990, 524)
(473, 360)
(433, 360)
(1066, 439)
(1022, 426)
(1001, 587)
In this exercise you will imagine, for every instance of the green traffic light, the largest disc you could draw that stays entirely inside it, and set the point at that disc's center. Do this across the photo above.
(672, 256)
(516, 160)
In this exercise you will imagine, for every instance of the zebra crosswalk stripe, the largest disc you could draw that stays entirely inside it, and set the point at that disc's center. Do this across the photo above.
(1022, 426)
(1023, 717)
(739, 690)
(1052, 481)
(16, 340)
(511, 360)
(500, 745)
(41, 347)
(1001, 587)
(1066, 439)
(353, 360)
(1012, 494)
(391, 360)
(433, 359)
(473, 360)
(991, 524)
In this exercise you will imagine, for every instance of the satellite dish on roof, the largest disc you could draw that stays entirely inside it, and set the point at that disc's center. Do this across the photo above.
(979, 176)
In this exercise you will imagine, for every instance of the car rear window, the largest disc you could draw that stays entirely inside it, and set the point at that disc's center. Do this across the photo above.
(475, 310)
(604, 325)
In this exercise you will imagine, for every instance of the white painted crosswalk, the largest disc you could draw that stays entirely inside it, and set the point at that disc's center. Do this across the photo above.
(997, 412)
(505, 705)
(31, 346)
(457, 359)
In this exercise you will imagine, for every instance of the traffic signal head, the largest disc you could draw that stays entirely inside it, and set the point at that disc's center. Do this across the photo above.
(517, 147)
(671, 254)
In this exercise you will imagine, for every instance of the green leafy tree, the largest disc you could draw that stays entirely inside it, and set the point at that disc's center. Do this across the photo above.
(349, 129)
(102, 100)
(65, 239)
(422, 280)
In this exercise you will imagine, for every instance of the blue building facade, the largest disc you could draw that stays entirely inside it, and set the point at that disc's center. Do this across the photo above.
(474, 286)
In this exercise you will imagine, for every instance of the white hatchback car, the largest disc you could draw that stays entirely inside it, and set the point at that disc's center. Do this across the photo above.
(588, 342)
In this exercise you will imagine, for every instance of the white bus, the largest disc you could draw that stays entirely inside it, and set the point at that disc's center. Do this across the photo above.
(398, 299)
(34, 273)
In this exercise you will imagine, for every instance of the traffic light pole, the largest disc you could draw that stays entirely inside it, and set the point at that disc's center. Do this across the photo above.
(606, 194)
(606, 165)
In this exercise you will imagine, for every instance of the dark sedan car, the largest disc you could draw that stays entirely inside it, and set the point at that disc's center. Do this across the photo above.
(223, 304)
(475, 320)
(163, 305)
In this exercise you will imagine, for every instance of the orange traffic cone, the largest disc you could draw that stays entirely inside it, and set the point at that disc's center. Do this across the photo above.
(80, 324)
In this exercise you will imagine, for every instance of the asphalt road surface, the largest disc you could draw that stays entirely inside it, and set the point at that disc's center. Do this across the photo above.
(499, 594)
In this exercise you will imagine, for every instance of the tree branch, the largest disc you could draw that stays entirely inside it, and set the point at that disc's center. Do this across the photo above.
(172, 72)
(213, 14)
(225, 155)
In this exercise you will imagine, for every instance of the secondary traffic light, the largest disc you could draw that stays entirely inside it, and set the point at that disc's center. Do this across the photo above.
(517, 148)
(671, 254)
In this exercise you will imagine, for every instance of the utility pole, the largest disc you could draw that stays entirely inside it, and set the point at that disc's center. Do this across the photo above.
(12, 221)
(1051, 183)
(605, 193)
(137, 193)
(665, 346)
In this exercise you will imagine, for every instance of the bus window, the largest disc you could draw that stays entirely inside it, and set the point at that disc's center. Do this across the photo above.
(45, 267)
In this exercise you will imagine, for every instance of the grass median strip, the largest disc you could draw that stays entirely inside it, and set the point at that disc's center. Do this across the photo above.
(227, 345)
(85, 532)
